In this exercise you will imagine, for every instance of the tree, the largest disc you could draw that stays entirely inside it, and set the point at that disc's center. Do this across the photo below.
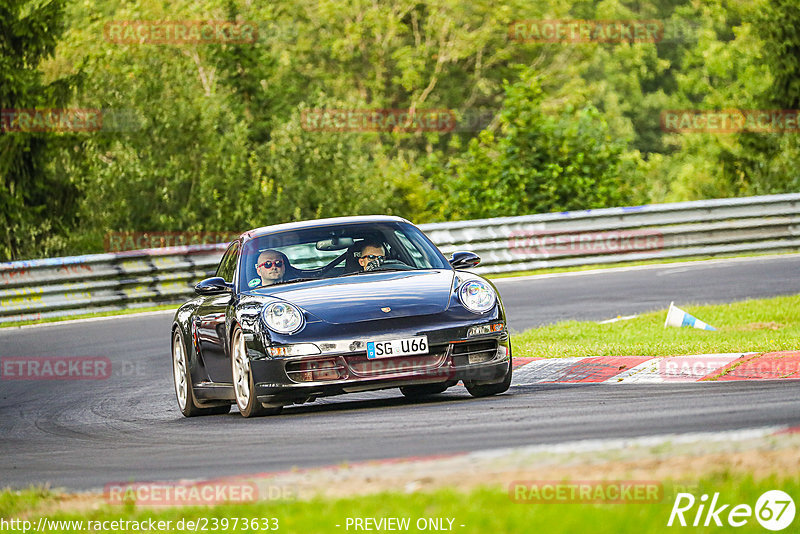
(771, 160)
(745, 58)
(777, 25)
(38, 200)
(542, 161)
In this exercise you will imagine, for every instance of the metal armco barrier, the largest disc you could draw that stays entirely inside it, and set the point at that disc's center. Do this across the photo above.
(55, 287)
(44, 288)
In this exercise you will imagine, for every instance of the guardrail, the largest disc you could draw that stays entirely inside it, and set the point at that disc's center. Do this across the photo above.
(38, 289)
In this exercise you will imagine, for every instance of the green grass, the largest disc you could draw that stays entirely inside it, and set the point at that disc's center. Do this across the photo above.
(485, 510)
(761, 325)
(593, 267)
(14, 503)
(92, 315)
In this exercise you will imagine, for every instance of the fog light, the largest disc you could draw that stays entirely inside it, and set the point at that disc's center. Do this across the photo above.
(319, 370)
(480, 357)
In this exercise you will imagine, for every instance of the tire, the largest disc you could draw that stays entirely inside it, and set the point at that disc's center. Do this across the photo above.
(423, 390)
(487, 390)
(182, 379)
(243, 387)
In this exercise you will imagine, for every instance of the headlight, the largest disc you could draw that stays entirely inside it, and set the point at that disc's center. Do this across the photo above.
(283, 317)
(477, 296)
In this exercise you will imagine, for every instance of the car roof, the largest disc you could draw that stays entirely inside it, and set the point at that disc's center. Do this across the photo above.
(334, 221)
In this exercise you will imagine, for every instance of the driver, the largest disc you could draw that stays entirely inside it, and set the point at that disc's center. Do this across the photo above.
(271, 267)
(370, 255)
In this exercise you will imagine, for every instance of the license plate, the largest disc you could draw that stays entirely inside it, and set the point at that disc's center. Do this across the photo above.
(397, 347)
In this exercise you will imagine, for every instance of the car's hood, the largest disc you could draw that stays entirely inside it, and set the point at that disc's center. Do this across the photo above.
(367, 296)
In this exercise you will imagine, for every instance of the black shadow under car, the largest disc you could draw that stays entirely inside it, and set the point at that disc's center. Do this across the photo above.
(310, 309)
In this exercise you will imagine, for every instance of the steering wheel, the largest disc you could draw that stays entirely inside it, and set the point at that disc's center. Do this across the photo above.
(393, 265)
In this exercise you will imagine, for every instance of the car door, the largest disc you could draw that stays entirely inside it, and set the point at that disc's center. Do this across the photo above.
(210, 324)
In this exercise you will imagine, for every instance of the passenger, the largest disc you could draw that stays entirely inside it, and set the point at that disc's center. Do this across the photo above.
(271, 267)
(370, 255)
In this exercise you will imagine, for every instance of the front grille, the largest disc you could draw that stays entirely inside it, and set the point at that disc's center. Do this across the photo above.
(474, 352)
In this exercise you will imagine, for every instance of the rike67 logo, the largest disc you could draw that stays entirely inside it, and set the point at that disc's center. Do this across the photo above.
(774, 510)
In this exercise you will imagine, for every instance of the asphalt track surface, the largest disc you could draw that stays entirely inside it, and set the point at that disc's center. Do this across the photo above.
(85, 434)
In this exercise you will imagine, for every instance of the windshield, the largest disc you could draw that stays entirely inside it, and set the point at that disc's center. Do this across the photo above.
(336, 250)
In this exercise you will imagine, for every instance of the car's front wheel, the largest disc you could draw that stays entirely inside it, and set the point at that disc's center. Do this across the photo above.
(243, 385)
(182, 379)
(485, 390)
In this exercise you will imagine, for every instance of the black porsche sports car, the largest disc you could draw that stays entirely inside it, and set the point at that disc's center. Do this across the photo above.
(304, 310)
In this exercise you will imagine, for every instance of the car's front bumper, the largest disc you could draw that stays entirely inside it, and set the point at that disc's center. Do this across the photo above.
(344, 367)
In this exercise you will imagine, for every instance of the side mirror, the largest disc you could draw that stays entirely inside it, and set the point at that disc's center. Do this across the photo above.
(464, 260)
(213, 286)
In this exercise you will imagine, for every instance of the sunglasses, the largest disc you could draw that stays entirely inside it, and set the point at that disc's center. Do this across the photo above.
(373, 257)
(268, 264)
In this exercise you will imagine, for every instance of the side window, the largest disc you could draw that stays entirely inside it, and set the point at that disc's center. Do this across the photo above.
(227, 265)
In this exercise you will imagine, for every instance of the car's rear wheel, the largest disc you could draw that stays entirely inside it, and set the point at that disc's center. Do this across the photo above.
(423, 390)
(486, 390)
(243, 385)
(182, 379)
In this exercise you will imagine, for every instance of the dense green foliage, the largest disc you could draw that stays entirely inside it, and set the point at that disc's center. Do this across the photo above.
(210, 137)
(38, 198)
(538, 162)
